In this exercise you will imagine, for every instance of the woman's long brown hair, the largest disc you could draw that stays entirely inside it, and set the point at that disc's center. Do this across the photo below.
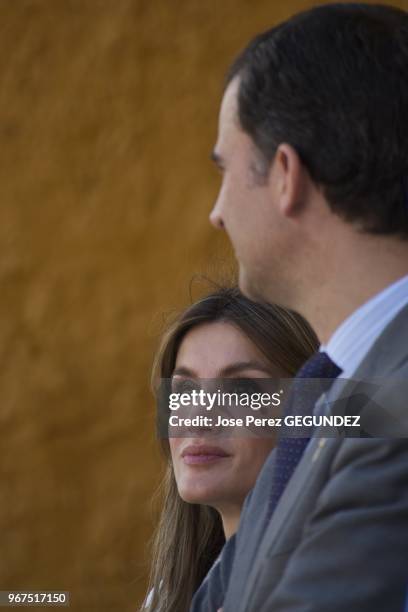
(189, 537)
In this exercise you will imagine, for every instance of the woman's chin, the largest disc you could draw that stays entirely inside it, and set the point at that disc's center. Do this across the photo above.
(203, 496)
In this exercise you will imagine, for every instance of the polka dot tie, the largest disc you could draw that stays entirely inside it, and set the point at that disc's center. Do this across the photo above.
(301, 402)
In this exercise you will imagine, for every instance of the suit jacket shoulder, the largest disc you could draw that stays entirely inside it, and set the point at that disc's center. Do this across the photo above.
(338, 538)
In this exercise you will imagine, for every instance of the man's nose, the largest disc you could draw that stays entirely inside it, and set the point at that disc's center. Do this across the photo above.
(216, 219)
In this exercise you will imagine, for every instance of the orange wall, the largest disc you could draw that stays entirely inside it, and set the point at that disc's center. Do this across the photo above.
(107, 117)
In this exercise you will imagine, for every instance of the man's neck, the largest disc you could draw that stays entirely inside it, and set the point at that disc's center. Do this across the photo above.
(353, 280)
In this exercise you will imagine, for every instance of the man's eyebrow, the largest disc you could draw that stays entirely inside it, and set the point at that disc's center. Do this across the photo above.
(217, 159)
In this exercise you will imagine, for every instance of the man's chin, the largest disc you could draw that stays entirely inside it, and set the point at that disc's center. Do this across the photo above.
(248, 286)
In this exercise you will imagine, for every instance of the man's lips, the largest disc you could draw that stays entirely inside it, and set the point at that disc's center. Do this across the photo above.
(202, 454)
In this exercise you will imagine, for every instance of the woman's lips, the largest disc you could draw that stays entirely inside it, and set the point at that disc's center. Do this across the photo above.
(199, 455)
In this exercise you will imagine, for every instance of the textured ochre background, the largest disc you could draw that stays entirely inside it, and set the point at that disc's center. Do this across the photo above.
(107, 118)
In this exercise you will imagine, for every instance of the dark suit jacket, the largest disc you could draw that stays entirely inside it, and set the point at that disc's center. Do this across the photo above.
(338, 539)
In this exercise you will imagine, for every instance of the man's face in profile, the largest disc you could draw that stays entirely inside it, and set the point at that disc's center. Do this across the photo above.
(245, 203)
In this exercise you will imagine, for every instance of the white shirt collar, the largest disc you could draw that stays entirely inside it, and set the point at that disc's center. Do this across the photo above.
(352, 340)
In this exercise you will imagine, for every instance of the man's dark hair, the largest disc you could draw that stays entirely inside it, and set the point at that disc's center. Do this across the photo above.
(333, 83)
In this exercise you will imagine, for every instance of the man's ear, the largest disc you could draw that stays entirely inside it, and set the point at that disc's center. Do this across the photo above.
(290, 180)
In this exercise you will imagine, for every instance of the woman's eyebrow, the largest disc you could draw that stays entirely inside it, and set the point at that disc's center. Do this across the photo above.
(229, 370)
(239, 366)
(183, 371)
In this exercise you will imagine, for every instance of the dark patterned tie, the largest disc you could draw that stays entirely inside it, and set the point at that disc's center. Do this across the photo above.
(301, 402)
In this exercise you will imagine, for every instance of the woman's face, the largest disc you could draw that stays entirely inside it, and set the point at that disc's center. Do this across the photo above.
(219, 350)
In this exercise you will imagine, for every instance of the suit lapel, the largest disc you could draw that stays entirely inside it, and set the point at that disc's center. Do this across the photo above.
(385, 355)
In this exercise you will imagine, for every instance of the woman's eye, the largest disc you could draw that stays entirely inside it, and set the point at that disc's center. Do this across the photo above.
(184, 386)
(243, 385)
